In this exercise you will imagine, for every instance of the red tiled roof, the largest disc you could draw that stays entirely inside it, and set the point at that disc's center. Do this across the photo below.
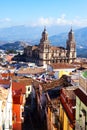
(31, 71)
(4, 81)
(23, 80)
(17, 86)
(82, 96)
(57, 48)
(54, 83)
(7, 74)
(62, 65)
(69, 91)
(68, 104)
(54, 48)
(34, 47)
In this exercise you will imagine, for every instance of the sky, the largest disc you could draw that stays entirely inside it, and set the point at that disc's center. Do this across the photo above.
(43, 12)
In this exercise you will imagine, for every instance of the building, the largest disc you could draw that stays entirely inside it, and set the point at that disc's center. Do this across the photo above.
(81, 102)
(60, 69)
(21, 89)
(67, 108)
(47, 101)
(45, 53)
(52, 110)
(18, 96)
(8, 111)
(5, 104)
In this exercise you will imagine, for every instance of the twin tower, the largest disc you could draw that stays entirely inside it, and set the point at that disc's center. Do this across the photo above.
(45, 53)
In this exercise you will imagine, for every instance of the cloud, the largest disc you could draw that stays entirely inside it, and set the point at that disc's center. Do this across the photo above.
(5, 20)
(44, 21)
(62, 20)
(80, 22)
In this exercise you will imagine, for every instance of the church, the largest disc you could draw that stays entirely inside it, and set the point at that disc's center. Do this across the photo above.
(45, 53)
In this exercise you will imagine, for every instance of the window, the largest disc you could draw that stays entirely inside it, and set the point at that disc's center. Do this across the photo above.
(28, 88)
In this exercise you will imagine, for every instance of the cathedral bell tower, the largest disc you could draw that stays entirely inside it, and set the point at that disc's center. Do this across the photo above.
(44, 42)
(44, 46)
(71, 46)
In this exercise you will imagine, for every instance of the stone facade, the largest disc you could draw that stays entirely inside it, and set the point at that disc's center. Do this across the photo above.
(45, 53)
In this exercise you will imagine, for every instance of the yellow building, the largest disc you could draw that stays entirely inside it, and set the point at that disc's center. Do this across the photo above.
(67, 112)
(52, 119)
(63, 72)
(60, 69)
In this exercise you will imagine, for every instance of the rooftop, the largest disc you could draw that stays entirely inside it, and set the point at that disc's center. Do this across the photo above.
(69, 92)
(62, 66)
(23, 80)
(31, 71)
(18, 87)
(82, 96)
(63, 81)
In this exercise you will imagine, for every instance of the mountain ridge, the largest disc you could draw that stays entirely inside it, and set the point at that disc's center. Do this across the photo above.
(56, 40)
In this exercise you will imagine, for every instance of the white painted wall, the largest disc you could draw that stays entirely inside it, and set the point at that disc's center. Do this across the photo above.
(8, 110)
(0, 114)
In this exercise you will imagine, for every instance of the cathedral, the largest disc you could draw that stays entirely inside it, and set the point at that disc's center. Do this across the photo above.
(45, 53)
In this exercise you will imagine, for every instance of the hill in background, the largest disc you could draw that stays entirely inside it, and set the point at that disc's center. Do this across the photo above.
(17, 37)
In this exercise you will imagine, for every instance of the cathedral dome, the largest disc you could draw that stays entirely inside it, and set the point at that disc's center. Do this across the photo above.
(44, 35)
(45, 31)
(71, 35)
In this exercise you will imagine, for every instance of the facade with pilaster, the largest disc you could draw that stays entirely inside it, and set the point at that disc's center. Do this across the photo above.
(45, 53)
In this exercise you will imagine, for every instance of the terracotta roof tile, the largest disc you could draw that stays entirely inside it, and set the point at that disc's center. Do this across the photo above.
(57, 48)
(82, 96)
(62, 65)
(4, 81)
(51, 84)
(18, 86)
(23, 80)
(54, 48)
(34, 47)
(31, 71)
(69, 92)
(7, 74)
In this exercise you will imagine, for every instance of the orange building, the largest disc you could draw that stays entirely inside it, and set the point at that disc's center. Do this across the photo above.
(18, 94)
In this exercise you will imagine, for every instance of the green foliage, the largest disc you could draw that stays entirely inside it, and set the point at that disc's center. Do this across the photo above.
(12, 51)
(85, 74)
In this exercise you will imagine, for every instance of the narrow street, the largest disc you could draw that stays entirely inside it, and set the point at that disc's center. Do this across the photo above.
(32, 122)
(31, 119)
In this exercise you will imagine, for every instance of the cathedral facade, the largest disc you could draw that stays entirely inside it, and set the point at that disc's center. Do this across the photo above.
(45, 53)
